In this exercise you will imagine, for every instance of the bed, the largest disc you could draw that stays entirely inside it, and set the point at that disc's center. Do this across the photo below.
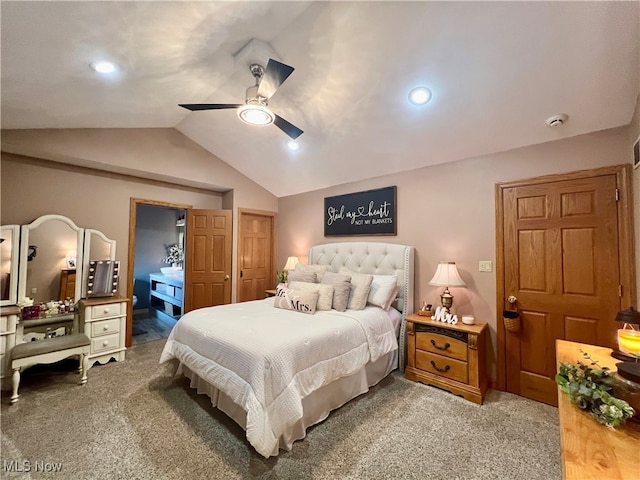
(276, 372)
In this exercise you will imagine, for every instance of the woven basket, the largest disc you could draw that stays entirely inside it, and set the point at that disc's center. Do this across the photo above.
(511, 320)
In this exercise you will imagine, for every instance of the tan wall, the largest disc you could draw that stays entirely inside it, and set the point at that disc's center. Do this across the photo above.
(162, 154)
(448, 211)
(92, 199)
(634, 134)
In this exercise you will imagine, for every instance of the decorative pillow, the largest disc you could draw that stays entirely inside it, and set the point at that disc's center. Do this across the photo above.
(319, 270)
(325, 292)
(360, 286)
(302, 276)
(289, 299)
(384, 289)
(341, 288)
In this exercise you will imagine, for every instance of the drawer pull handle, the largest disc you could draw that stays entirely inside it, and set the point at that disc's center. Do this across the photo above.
(442, 370)
(106, 310)
(106, 343)
(446, 345)
(105, 328)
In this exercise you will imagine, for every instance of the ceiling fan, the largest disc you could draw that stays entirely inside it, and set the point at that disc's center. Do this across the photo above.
(255, 110)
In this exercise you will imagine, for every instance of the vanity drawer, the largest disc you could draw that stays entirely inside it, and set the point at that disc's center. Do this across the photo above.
(108, 310)
(442, 344)
(105, 327)
(442, 366)
(105, 343)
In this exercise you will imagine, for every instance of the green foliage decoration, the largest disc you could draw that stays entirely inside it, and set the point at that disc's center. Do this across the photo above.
(590, 388)
(282, 276)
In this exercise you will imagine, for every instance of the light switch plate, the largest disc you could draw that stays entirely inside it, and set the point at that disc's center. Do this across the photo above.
(485, 266)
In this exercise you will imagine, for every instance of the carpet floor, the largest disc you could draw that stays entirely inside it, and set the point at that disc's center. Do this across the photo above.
(134, 420)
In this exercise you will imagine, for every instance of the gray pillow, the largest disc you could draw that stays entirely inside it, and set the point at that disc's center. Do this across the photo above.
(302, 276)
(319, 270)
(341, 289)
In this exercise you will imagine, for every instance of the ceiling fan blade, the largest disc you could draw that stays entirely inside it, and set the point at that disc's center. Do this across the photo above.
(288, 128)
(208, 106)
(274, 75)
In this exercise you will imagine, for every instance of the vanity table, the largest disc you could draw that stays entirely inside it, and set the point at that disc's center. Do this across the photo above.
(35, 261)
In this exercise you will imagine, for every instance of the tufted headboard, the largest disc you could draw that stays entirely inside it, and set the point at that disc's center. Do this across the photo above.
(374, 258)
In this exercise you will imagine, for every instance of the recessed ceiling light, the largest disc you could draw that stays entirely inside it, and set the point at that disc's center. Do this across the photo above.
(420, 95)
(104, 67)
(293, 145)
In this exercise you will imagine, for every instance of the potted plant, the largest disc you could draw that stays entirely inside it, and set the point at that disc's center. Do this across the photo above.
(591, 388)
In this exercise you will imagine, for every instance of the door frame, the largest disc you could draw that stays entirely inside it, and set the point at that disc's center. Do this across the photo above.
(626, 257)
(274, 245)
(133, 204)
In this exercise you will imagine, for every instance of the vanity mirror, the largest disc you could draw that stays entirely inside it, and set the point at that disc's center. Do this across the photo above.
(102, 278)
(47, 245)
(9, 235)
(97, 247)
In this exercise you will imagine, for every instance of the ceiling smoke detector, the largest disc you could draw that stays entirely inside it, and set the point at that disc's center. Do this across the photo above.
(557, 120)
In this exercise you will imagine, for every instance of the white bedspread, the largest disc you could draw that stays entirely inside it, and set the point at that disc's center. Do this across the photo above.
(267, 359)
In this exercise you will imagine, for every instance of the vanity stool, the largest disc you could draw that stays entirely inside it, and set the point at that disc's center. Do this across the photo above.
(48, 351)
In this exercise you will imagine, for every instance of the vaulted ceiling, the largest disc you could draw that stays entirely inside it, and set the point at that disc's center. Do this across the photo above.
(497, 72)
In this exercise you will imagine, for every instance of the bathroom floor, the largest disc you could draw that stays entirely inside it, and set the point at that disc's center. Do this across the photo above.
(147, 328)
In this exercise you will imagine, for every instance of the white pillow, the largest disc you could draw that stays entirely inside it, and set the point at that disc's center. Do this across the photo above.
(360, 286)
(325, 292)
(384, 289)
(319, 270)
(289, 299)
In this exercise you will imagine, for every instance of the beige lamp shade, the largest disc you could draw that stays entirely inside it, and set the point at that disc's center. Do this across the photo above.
(447, 276)
(291, 263)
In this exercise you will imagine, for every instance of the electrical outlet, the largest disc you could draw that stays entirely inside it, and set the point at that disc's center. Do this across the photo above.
(485, 266)
(34, 290)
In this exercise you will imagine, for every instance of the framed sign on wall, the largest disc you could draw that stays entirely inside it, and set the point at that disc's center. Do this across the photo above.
(372, 212)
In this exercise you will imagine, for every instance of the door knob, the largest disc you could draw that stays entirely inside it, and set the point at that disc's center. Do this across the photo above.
(512, 299)
(226, 277)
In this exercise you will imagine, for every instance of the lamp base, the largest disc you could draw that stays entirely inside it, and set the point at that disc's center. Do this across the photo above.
(629, 370)
(622, 356)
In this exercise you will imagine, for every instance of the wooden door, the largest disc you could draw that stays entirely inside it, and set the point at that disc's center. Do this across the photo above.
(207, 258)
(561, 262)
(256, 262)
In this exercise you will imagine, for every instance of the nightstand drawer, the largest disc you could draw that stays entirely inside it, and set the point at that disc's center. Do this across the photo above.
(442, 366)
(3, 344)
(105, 327)
(104, 343)
(108, 310)
(441, 345)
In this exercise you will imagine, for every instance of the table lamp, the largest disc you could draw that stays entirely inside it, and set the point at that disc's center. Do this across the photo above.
(447, 276)
(291, 264)
(628, 344)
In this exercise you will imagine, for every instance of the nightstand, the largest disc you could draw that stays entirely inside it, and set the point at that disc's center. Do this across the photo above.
(270, 293)
(451, 357)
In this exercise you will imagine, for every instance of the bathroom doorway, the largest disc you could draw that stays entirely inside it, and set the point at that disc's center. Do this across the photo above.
(156, 255)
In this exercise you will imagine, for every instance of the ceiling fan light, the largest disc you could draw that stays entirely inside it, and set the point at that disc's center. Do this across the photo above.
(255, 115)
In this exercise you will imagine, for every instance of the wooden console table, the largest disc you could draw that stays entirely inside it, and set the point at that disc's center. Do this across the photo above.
(591, 450)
